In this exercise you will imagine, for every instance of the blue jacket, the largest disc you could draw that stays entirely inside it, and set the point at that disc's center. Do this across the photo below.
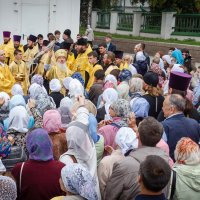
(111, 47)
(179, 126)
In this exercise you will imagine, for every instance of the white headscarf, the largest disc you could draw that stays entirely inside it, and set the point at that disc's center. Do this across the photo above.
(55, 85)
(66, 102)
(66, 82)
(168, 59)
(75, 89)
(18, 119)
(110, 95)
(2, 167)
(6, 98)
(111, 78)
(177, 68)
(126, 139)
(140, 56)
(35, 90)
(123, 90)
(17, 89)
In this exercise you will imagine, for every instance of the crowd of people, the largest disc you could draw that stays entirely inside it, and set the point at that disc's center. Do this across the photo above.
(83, 121)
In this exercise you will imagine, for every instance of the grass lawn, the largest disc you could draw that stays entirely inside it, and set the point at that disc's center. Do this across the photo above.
(189, 41)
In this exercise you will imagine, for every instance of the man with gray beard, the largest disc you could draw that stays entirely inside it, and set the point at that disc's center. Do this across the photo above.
(60, 70)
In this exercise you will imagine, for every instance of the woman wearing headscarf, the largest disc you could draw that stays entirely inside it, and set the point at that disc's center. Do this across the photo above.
(66, 83)
(4, 107)
(42, 101)
(77, 182)
(65, 111)
(40, 174)
(16, 100)
(152, 95)
(187, 170)
(8, 188)
(119, 113)
(97, 139)
(167, 61)
(109, 96)
(55, 87)
(17, 89)
(53, 125)
(126, 140)
(138, 103)
(81, 148)
(123, 88)
(18, 124)
(37, 78)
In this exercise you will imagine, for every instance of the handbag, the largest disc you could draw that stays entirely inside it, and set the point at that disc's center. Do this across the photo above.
(17, 155)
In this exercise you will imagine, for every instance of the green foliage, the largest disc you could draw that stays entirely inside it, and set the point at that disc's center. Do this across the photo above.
(181, 6)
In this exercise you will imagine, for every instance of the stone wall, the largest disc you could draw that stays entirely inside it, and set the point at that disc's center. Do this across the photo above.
(127, 46)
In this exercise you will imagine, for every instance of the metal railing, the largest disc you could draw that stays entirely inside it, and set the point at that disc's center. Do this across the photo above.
(103, 20)
(151, 23)
(187, 25)
(125, 21)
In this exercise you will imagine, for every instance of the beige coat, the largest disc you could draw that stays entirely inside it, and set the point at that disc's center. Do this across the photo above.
(105, 168)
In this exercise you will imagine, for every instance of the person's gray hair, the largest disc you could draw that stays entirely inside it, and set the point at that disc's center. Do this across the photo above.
(136, 85)
(177, 101)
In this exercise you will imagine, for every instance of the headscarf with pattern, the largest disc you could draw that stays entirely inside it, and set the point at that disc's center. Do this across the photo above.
(78, 180)
(8, 188)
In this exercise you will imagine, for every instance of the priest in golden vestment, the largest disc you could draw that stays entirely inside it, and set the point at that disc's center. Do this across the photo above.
(7, 46)
(81, 63)
(19, 71)
(6, 78)
(16, 45)
(60, 70)
(30, 54)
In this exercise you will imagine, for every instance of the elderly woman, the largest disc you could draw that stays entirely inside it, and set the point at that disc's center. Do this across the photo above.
(109, 96)
(52, 123)
(4, 109)
(17, 90)
(42, 101)
(97, 139)
(119, 113)
(17, 100)
(8, 188)
(186, 170)
(77, 182)
(123, 88)
(126, 140)
(55, 87)
(81, 148)
(17, 125)
(64, 109)
(138, 103)
(38, 178)
(66, 83)
(37, 78)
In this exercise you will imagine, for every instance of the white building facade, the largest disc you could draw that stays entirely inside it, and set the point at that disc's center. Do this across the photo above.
(25, 17)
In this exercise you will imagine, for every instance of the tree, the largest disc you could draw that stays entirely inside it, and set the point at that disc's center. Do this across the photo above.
(181, 6)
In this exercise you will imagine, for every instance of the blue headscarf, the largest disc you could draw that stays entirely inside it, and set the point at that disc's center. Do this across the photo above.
(79, 77)
(125, 75)
(93, 128)
(178, 55)
(17, 100)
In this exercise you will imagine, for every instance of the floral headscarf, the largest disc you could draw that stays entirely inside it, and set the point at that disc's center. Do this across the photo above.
(8, 188)
(79, 77)
(5, 145)
(37, 79)
(39, 145)
(78, 180)
(122, 109)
